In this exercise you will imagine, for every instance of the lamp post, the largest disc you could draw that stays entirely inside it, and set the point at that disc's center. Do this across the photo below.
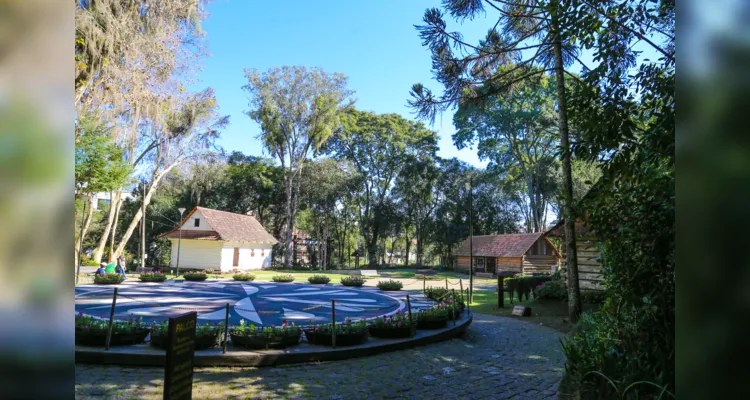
(179, 241)
(471, 243)
(80, 245)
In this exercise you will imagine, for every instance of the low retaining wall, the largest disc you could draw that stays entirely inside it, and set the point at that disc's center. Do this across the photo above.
(145, 354)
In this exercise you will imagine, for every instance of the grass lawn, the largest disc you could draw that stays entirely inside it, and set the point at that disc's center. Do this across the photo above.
(551, 313)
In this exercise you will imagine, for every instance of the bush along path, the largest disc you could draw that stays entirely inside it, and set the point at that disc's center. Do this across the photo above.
(497, 358)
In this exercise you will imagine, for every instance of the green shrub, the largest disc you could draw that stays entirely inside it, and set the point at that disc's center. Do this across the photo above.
(353, 280)
(435, 293)
(108, 279)
(390, 285)
(346, 328)
(593, 296)
(523, 285)
(152, 277)
(195, 275)
(268, 332)
(244, 277)
(283, 278)
(319, 279)
(91, 263)
(554, 290)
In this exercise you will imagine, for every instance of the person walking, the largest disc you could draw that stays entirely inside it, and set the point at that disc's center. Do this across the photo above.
(121, 266)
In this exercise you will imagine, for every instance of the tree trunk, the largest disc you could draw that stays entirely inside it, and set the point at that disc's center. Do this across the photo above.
(408, 246)
(138, 215)
(287, 244)
(86, 225)
(112, 256)
(99, 251)
(574, 294)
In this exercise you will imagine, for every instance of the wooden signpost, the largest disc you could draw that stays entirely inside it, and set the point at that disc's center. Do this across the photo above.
(178, 372)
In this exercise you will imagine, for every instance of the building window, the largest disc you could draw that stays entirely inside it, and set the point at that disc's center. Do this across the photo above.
(197, 222)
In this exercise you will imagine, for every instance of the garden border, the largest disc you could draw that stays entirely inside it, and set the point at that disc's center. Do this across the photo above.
(147, 355)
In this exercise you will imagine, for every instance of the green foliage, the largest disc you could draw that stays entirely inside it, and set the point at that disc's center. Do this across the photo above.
(244, 277)
(91, 263)
(353, 280)
(319, 279)
(152, 277)
(195, 275)
(396, 321)
(555, 290)
(390, 285)
(524, 285)
(268, 332)
(108, 279)
(346, 328)
(99, 164)
(89, 323)
(283, 278)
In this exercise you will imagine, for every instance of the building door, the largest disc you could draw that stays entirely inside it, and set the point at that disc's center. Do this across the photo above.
(491, 265)
(236, 261)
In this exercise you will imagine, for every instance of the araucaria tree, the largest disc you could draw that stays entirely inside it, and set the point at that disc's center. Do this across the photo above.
(297, 109)
(523, 45)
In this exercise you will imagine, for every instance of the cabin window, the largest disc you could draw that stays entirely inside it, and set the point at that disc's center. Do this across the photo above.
(197, 222)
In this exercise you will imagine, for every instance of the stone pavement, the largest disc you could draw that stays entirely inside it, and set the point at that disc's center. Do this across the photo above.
(498, 358)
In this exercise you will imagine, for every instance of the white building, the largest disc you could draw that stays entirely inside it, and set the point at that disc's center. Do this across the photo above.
(213, 239)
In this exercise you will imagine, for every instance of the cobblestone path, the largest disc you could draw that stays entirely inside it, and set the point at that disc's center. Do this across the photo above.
(498, 358)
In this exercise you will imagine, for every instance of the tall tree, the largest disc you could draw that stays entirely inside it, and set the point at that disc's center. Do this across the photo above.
(378, 146)
(99, 166)
(526, 39)
(297, 110)
(516, 132)
(416, 189)
(187, 132)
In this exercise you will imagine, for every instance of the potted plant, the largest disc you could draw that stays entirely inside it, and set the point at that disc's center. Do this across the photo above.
(206, 335)
(244, 277)
(109, 279)
(319, 279)
(92, 331)
(348, 333)
(283, 278)
(390, 285)
(393, 327)
(195, 276)
(155, 276)
(353, 280)
(432, 318)
(268, 337)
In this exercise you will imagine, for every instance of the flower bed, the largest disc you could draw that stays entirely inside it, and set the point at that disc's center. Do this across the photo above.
(353, 280)
(90, 331)
(244, 277)
(206, 336)
(152, 277)
(109, 279)
(347, 334)
(195, 276)
(390, 285)
(283, 278)
(270, 337)
(392, 327)
(433, 318)
(319, 279)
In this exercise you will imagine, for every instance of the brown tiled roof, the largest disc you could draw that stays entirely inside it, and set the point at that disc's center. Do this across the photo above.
(227, 226)
(511, 245)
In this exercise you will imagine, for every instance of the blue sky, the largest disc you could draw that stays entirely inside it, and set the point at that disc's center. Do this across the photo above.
(373, 43)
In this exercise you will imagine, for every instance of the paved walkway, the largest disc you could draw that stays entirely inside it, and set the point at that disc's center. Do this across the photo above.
(498, 358)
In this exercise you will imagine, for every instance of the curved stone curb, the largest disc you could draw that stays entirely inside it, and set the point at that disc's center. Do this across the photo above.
(145, 354)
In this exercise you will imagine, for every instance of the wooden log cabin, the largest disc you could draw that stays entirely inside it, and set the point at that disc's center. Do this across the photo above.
(589, 269)
(523, 253)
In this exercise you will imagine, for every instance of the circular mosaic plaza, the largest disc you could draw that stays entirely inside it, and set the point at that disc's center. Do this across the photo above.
(262, 303)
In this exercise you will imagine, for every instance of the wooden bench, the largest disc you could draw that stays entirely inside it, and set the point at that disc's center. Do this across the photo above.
(368, 272)
(426, 272)
(485, 275)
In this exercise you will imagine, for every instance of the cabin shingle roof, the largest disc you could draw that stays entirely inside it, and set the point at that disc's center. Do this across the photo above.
(227, 226)
(510, 245)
